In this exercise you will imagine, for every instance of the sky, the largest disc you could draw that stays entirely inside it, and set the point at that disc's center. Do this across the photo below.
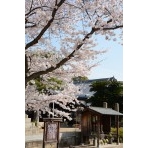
(111, 62)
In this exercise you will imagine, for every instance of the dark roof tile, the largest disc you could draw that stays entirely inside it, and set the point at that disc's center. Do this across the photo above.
(105, 111)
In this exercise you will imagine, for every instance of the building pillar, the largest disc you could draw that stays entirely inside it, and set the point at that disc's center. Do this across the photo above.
(117, 122)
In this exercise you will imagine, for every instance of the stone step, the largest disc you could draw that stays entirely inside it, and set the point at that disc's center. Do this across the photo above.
(28, 132)
(33, 131)
(34, 138)
(30, 125)
(31, 128)
(40, 131)
(40, 124)
(38, 144)
(26, 116)
(27, 120)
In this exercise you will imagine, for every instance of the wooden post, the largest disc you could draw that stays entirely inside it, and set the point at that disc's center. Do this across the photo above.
(99, 125)
(117, 122)
(58, 134)
(44, 136)
(117, 130)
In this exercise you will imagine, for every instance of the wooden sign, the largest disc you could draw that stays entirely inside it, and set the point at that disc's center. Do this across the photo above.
(51, 132)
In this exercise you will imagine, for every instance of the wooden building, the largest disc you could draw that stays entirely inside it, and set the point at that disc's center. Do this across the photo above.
(96, 122)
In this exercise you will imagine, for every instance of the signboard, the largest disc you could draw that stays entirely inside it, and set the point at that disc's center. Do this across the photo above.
(51, 132)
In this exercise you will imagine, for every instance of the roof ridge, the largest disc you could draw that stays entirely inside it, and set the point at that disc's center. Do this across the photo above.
(101, 107)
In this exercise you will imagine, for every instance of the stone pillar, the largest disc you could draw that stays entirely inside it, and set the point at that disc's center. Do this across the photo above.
(105, 104)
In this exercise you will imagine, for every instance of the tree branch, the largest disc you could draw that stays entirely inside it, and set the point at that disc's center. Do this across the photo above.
(31, 5)
(31, 24)
(35, 41)
(35, 9)
(73, 5)
(62, 62)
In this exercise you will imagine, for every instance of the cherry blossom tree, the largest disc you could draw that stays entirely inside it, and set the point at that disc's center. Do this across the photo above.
(60, 36)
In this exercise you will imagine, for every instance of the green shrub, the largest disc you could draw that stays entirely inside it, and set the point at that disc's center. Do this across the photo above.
(107, 141)
(104, 141)
(114, 132)
(101, 142)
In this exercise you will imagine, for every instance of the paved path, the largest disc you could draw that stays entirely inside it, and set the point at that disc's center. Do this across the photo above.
(112, 146)
(40, 138)
(101, 146)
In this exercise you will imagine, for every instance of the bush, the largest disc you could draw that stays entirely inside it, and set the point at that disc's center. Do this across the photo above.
(104, 141)
(101, 142)
(107, 141)
(114, 132)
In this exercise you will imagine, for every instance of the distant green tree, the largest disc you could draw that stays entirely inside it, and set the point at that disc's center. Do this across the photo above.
(80, 78)
(110, 91)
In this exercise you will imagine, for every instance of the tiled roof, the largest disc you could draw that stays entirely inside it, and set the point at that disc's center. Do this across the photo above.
(93, 80)
(105, 111)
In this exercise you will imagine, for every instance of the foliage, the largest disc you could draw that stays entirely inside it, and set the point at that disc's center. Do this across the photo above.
(107, 141)
(101, 142)
(104, 141)
(80, 78)
(59, 41)
(48, 86)
(114, 131)
(110, 91)
(110, 135)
